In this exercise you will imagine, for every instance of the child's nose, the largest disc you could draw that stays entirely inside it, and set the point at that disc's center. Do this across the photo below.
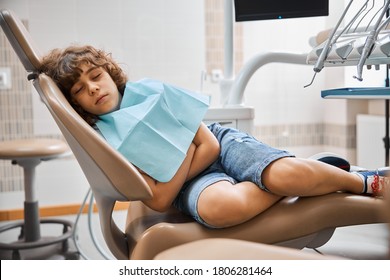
(93, 88)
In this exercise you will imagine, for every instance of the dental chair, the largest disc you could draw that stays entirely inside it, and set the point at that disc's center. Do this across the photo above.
(292, 222)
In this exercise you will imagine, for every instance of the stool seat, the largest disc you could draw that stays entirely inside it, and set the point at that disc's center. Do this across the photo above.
(42, 148)
(29, 153)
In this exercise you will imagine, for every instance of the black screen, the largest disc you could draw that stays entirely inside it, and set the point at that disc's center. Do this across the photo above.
(246, 10)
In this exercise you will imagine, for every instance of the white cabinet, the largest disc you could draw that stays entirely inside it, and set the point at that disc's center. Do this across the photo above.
(236, 117)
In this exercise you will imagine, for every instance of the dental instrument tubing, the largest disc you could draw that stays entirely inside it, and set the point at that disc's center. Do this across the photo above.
(350, 24)
(243, 77)
(369, 44)
(321, 59)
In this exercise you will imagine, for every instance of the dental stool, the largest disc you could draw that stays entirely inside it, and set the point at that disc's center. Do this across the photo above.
(28, 153)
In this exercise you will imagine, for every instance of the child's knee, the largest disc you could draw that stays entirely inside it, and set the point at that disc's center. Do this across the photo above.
(221, 209)
(223, 214)
(286, 173)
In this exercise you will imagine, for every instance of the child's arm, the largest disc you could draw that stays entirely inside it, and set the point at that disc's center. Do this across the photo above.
(165, 193)
(207, 151)
(203, 151)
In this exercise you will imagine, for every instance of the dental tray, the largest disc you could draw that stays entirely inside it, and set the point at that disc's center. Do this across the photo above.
(357, 93)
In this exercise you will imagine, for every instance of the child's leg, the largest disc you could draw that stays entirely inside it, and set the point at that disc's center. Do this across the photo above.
(224, 204)
(305, 177)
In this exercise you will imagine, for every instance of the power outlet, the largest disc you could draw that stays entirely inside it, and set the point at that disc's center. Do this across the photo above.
(216, 75)
(5, 78)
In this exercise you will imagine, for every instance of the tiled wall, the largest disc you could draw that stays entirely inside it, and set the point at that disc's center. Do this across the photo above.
(317, 134)
(15, 113)
(214, 23)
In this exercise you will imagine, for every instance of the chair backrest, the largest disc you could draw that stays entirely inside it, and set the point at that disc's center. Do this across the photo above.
(111, 177)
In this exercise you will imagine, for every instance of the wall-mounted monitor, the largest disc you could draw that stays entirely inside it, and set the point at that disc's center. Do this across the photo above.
(247, 10)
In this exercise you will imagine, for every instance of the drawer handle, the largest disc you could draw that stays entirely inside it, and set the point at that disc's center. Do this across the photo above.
(225, 123)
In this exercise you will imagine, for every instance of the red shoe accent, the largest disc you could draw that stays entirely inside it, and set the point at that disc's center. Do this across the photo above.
(375, 185)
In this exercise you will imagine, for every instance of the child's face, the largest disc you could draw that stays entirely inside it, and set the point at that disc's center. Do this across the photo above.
(95, 91)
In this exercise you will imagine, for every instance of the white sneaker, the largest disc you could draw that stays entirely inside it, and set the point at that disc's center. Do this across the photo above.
(375, 182)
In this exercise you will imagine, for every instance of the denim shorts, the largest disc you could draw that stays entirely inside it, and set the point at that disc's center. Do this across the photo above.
(242, 158)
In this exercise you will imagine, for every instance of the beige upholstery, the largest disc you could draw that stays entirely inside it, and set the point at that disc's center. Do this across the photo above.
(293, 222)
(323, 35)
(233, 249)
(296, 222)
(386, 214)
(41, 148)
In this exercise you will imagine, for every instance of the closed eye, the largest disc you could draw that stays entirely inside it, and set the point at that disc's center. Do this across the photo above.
(77, 90)
(95, 77)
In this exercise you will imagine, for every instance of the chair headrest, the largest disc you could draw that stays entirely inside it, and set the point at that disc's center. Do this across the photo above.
(20, 40)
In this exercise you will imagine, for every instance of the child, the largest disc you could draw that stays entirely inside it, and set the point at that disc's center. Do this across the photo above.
(226, 177)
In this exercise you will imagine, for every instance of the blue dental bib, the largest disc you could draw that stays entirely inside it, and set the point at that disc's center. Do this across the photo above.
(154, 126)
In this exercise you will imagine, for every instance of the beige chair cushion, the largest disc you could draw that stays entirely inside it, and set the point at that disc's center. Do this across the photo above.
(233, 249)
(33, 148)
(293, 222)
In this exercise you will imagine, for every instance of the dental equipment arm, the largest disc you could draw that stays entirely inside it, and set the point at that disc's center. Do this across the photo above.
(324, 53)
(355, 46)
(370, 41)
(320, 62)
(238, 87)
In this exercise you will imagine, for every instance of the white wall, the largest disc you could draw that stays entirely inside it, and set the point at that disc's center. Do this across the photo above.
(277, 90)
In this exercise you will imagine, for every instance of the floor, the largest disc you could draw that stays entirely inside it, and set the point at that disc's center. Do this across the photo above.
(368, 242)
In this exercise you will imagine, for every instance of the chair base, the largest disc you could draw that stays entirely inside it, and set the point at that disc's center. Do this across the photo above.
(47, 247)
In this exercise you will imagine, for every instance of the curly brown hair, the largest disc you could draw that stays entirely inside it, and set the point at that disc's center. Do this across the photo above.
(63, 66)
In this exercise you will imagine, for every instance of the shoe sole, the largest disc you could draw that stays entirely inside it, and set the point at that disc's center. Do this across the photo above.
(332, 159)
